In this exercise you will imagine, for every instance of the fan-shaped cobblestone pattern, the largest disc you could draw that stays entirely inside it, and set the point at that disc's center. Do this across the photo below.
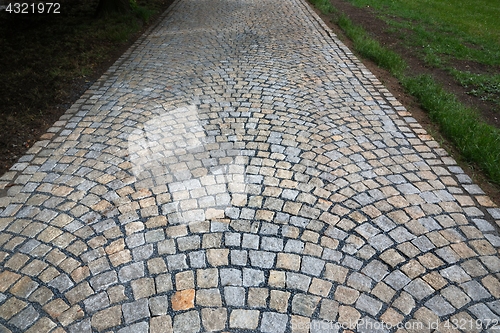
(239, 170)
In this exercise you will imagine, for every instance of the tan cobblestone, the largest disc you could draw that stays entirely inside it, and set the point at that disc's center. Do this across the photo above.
(107, 318)
(288, 261)
(413, 269)
(348, 315)
(383, 292)
(120, 258)
(493, 285)
(392, 317)
(392, 257)
(56, 307)
(143, 288)
(72, 314)
(346, 295)
(335, 273)
(257, 297)
(435, 280)
(276, 279)
(320, 287)
(430, 261)
(11, 307)
(7, 279)
(217, 257)
(184, 280)
(79, 293)
(160, 324)
(42, 295)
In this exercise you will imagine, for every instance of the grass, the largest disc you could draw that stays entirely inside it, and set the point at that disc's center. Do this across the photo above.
(444, 31)
(474, 23)
(324, 6)
(477, 141)
(484, 86)
(370, 48)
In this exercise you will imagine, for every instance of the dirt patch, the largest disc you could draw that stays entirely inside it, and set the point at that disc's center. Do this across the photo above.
(36, 54)
(380, 31)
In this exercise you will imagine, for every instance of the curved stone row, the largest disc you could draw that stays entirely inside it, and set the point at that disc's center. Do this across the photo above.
(282, 263)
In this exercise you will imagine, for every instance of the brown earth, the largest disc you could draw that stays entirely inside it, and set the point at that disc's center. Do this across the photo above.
(38, 54)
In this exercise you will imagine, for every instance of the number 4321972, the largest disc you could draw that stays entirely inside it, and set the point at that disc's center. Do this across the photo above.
(34, 8)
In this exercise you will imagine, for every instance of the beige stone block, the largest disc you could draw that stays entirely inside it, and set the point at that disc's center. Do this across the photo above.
(300, 324)
(346, 295)
(392, 317)
(79, 293)
(288, 261)
(115, 246)
(107, 318)
(279, 300)
(214, 319)
(277, 279)
(217, 257)
(348, 316)
(320, 287)
(156, 266)
(413, 269)
(493, 285)
(71, 315)
(184, 280)
(143, 288)
(336, 273)
(116, 294)
(405, 303)
(120, 258)
(383, 292)
(161, 324)
(430, 261)
(11, 307)
(257, 297)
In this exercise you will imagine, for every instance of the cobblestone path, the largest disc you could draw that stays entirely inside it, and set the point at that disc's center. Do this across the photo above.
(239, 170)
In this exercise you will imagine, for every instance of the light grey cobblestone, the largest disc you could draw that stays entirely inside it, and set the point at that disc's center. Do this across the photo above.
(135, 310)
(234, 296)
(130, 272)
(273, 322)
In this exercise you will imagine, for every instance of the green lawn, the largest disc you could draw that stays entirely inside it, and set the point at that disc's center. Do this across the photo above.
(477, 19)
(447, 31)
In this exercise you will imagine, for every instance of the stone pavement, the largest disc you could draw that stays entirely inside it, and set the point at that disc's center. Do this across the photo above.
(239, 170)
